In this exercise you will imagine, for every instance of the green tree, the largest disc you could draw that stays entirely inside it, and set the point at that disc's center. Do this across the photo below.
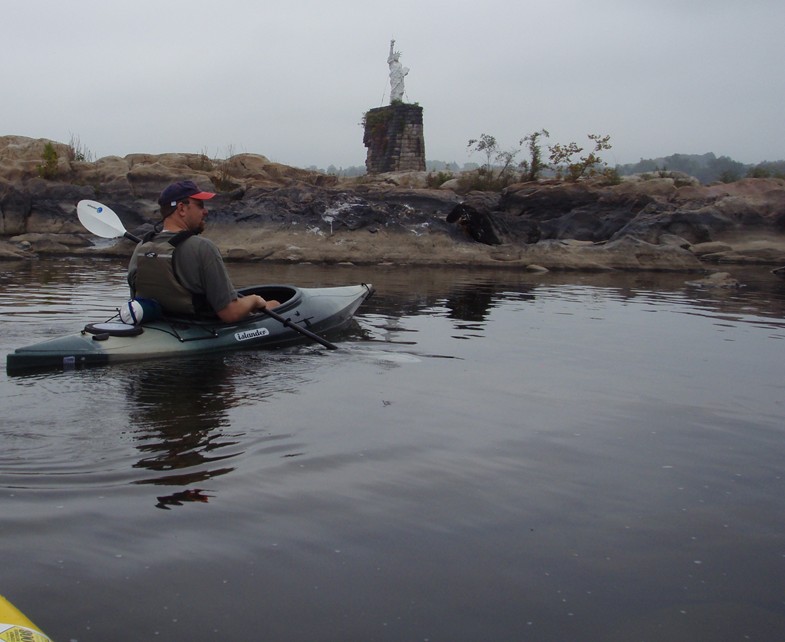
(726, 169)
(758, 172)
(48, 169)
(534, 166)
(563, 158)
(497, 172)
(767, 169)
(487, 145)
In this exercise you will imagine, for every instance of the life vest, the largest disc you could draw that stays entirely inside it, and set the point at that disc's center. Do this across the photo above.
(156, 277)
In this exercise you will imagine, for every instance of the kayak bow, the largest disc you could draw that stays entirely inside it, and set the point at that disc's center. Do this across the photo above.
(14, 625)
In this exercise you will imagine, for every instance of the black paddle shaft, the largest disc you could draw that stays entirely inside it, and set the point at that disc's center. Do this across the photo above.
(300, 329)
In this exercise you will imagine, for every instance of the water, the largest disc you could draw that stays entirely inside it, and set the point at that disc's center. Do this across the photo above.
(490, 456)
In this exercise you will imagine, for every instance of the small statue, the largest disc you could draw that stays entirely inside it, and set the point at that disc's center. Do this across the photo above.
(397, 73)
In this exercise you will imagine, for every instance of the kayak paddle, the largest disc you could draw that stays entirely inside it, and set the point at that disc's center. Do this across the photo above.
(102, 221)
(298, 328)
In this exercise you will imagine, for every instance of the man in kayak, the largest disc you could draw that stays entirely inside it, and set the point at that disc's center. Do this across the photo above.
(183, 271)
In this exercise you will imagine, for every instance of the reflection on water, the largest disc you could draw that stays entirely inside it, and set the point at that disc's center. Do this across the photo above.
(490, 455)
(180, 413)
(177, 499)
(181, 410)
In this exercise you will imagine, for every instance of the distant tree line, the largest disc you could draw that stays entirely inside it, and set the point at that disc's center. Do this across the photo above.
(707, 168)
(359, 170)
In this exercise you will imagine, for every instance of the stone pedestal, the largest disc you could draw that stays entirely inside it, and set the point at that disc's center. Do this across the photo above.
(394, 138)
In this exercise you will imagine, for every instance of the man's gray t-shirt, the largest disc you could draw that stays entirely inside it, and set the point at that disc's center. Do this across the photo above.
(200, 268)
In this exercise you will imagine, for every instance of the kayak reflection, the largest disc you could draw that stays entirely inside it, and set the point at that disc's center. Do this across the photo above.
(177, 499)
(180, 414)
(183, 418)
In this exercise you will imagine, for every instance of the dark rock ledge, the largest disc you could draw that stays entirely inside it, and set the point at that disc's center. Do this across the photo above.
(268, 211)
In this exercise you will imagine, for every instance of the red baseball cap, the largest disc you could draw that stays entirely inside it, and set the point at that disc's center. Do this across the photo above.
(181, 190)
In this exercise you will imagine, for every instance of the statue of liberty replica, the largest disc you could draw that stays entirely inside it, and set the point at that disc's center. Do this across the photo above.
(397, 74)
(394, 133)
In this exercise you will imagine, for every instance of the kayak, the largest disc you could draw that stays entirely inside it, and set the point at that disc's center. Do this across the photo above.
(303, 313)
(14, 625)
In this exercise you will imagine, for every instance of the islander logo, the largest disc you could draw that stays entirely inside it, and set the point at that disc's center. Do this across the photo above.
(251, 334)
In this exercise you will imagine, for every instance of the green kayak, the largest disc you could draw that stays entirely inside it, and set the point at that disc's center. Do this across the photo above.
(304, 314)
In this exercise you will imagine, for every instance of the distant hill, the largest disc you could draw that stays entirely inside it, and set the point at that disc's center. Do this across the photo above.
(707, 168)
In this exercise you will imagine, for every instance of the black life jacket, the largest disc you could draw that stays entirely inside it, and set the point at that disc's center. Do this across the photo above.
(156, 277)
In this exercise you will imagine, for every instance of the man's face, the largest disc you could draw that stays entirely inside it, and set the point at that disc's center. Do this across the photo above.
(195, 214)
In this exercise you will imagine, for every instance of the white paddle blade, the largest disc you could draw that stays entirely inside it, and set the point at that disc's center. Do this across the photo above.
(99, 219)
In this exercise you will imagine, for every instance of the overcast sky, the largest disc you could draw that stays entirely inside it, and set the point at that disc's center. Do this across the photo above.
(291, 80)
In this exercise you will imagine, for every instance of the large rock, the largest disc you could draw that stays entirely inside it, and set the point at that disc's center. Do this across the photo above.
(20, 157)
(645, 209)
(262, 208)
(15, 208)
(496, 228)
(546, 200)
(14, 251)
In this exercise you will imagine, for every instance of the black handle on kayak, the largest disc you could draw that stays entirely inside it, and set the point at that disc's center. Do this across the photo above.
(300, 329)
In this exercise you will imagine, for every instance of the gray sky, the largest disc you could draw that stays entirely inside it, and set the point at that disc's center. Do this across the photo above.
(291, 80)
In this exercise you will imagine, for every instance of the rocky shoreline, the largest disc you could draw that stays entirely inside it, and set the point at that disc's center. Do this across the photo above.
(271, 212)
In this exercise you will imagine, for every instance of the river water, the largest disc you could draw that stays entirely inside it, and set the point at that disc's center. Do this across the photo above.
(489, 456)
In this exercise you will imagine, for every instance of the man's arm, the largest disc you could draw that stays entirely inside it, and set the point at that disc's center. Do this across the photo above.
(241, 308)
